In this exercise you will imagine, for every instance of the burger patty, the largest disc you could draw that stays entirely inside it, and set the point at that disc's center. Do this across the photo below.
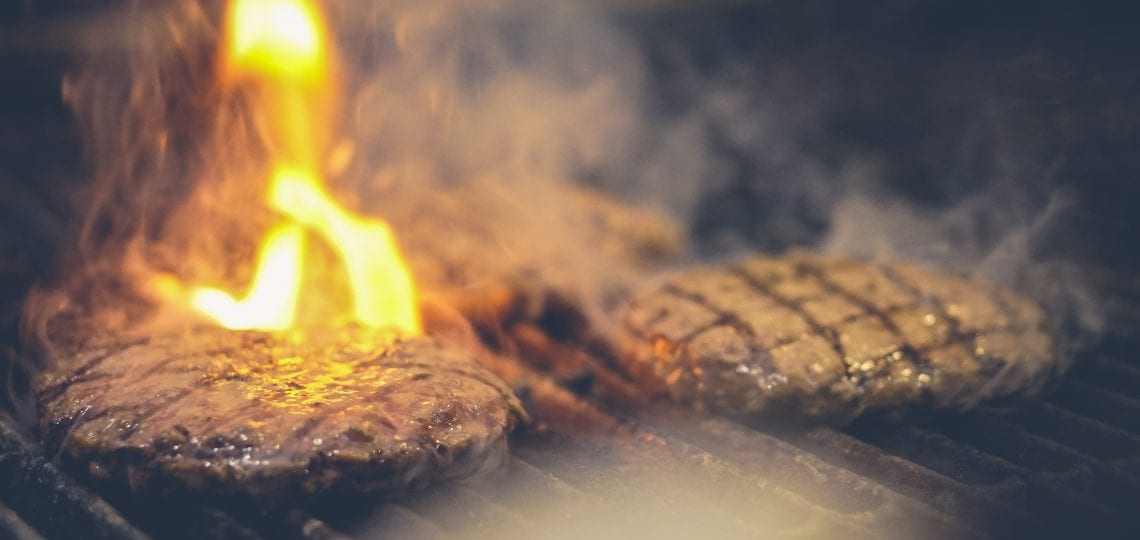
(247, 413)
(828, 337)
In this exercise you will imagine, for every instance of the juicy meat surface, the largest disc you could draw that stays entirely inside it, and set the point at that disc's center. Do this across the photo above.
(829, 337)
(245, 413)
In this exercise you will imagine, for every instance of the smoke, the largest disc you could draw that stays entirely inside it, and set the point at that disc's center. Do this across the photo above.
(473, 127)
(465, 124)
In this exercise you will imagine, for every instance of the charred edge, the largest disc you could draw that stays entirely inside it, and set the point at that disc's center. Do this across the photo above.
(921, 362)
(763, 289)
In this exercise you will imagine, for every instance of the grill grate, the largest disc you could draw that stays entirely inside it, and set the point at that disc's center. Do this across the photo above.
(11, 526)
(1059, 464)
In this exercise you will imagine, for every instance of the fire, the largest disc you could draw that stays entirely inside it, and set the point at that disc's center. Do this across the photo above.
(281, 45)
(383, 292)
(272, 300)
(282, 37)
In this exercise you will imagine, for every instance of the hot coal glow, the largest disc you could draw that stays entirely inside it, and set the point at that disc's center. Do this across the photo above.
(281, 46)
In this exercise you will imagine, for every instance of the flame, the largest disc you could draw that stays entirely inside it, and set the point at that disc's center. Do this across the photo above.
(277, 37)
(382, 288)
(272, 300)
(281, 45)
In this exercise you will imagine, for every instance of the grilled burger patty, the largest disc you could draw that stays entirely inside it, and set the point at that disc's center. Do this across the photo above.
(246, 413)
(829, 337)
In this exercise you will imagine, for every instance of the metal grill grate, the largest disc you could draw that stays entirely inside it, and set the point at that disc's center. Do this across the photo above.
(1064, 463)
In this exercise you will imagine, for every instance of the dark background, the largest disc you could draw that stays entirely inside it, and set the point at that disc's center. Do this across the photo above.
(945, 95)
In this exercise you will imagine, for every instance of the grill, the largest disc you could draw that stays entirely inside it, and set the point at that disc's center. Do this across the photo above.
(1064, 463)
(599, 459)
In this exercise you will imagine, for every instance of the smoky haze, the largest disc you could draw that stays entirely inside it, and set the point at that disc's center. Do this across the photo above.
(758, 127)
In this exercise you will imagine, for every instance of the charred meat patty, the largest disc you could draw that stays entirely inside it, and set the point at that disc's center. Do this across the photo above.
(828, 337)
(247, 413)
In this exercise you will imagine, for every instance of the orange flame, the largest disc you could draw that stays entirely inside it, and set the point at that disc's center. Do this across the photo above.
(281, 38)
(282, 45)
(272, 300)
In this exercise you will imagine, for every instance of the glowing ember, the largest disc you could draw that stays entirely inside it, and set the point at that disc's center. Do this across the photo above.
(281, 45)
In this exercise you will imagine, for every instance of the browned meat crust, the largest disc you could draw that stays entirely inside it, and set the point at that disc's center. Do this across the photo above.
(828, 337)
(244, 413)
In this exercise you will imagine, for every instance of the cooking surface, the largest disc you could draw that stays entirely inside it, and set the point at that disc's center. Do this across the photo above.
(1062, 464)
(1057, 91)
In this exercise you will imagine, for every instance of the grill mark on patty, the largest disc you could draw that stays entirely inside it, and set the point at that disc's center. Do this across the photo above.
(724, 317)
(78, 374)
(150, 413)
(310, 424)
(100, 376)
(79, 386)
(146, 414)
(955, 335)
(763, 289)
(205, 424)
(834, 289)
(917, 357)
(955, 326)
(647, 332)
(915, 360)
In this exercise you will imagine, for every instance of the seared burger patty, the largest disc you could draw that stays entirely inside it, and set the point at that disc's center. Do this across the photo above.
(247, 413)
(830, 337)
